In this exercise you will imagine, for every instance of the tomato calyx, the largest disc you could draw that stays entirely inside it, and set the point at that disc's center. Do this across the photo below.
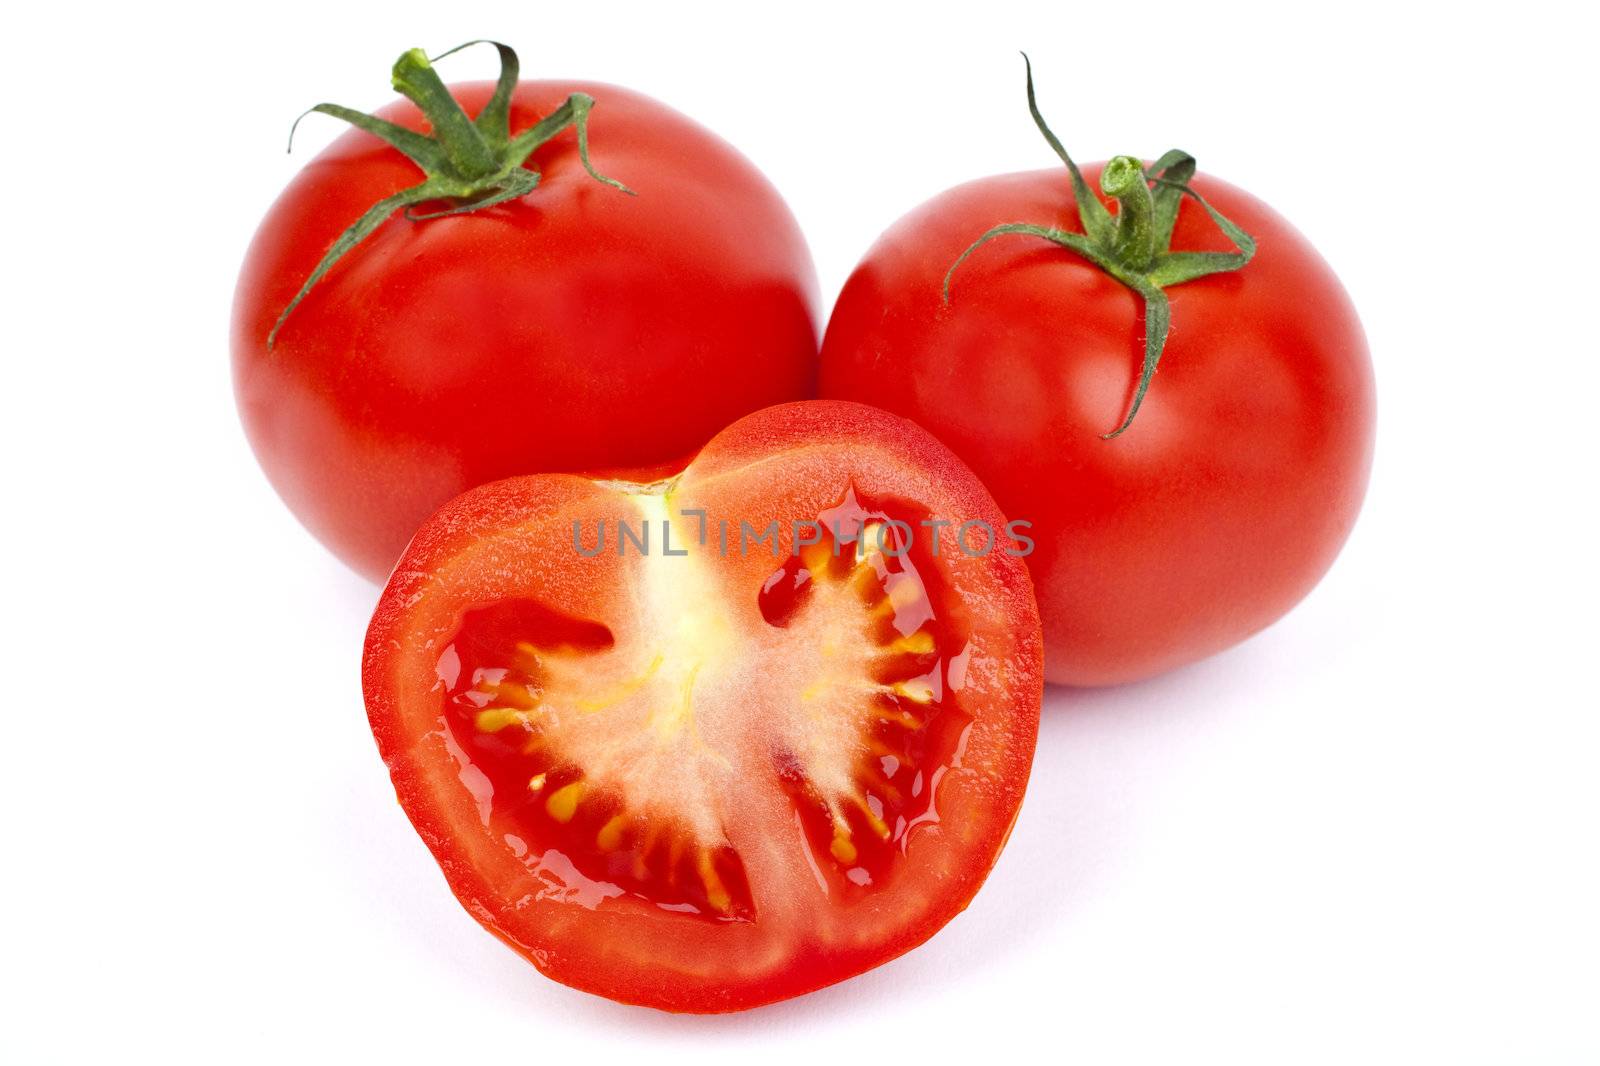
(1133, 245)
(469, 163)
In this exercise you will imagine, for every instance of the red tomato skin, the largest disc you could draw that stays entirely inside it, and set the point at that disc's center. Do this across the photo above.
(1238, 482)
(578, 328)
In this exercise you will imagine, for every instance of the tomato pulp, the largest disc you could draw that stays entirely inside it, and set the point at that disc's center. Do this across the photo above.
(577, 327)
(714, 741)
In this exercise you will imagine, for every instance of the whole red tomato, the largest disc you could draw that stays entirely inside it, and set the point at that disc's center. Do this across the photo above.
(571, 326)
(1228, 495)
(720, 739)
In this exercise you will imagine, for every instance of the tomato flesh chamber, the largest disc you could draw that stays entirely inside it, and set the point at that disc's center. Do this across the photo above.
(619, 761)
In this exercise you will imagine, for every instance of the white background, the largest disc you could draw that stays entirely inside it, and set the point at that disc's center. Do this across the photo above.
(1368, 834)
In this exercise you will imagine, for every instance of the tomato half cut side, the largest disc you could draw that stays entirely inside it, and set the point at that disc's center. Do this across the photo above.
(723, 739)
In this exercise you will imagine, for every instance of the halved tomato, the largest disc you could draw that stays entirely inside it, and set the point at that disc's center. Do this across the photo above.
(714, 741)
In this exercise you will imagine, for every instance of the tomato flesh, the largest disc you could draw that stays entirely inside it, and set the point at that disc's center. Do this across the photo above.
(602, 767)
(703, 781)
(519, 724)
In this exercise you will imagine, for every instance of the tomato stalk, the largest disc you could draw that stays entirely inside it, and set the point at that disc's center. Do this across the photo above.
(1134, 245)
(471, 163)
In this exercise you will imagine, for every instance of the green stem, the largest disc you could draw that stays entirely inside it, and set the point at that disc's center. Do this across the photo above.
(1133, 245)
(469, 153)
(469, 164)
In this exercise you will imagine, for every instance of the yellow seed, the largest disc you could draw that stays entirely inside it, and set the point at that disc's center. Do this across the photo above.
(899, 717)
(843, 848)
(536, 782)
(918, 643)
(917, 690)
(494, 719)
(610, 835)
(869, 543)
(872, 818)
(904, 590)
(716, 892)
(563, 802)
(513, 695)
(814, 557)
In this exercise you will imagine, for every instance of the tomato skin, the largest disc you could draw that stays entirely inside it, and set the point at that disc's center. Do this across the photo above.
(1238, 482)
(496, 540)
(576, 328)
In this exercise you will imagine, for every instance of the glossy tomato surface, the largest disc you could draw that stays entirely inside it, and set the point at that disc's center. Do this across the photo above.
(703, 774)
(1239, 480)
(575, 328)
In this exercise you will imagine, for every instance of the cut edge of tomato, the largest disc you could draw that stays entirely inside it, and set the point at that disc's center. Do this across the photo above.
(423, 778)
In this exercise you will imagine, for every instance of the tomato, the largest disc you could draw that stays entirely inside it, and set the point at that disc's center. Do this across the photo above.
(702, 778)
(573, 327)
(1226, 498)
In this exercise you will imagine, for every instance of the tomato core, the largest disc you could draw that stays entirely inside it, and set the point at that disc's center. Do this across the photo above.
(615, 769)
